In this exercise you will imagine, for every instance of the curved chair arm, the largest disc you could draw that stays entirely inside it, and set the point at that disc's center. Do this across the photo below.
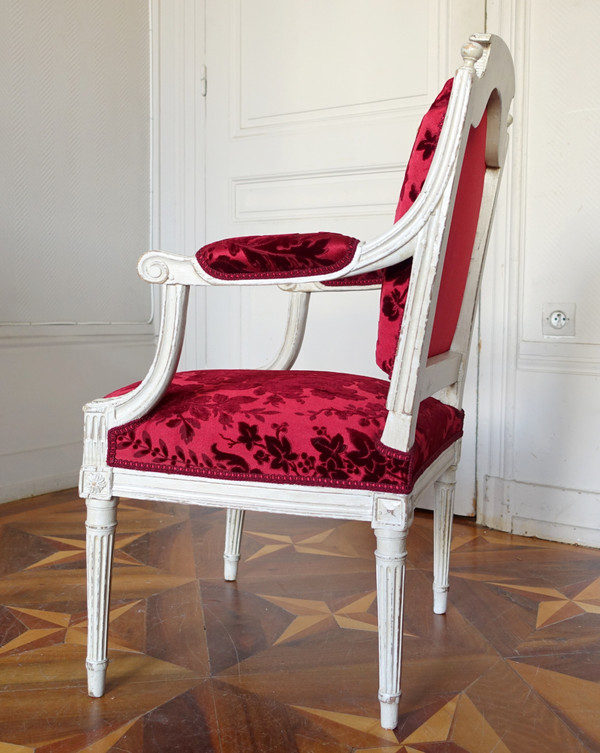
(163, 268)
(131, 405)
(294, 332)
(297, 316)
(95, 479)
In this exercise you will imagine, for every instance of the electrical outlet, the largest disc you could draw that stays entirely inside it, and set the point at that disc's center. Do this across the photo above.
(558, 320)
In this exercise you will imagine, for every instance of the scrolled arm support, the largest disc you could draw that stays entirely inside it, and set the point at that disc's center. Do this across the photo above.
(162, 268)
(115, 411)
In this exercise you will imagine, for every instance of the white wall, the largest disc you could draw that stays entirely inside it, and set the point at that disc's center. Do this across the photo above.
(539, 446)
(75, 213)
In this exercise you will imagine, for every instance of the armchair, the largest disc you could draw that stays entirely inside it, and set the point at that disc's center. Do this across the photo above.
(321, 443)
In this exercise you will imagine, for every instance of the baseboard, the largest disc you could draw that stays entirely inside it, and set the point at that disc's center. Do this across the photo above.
(571, 516)
(39, 470)
(32, 488)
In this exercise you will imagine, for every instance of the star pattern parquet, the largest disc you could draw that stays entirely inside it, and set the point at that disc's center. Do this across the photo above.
(284, 660)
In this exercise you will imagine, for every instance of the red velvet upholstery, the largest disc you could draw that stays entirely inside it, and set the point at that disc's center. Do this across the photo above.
(311, 254)
(257, 257)
(314, 428)
(461, 236)
(294, 427)
(396, 279)
(460, 241)
(368, 278)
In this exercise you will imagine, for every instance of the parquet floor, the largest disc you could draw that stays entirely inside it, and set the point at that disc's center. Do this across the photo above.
(284, 661)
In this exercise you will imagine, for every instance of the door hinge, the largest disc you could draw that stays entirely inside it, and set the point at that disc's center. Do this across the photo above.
(203, 81)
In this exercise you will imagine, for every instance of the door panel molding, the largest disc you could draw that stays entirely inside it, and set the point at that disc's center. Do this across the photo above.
(329, 193)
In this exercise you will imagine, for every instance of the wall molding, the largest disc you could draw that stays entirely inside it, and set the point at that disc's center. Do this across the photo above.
(84, 336)
(299, 115)
(71, 332)
(441, 31)
(571, 516)
(560, 358)
(300, 195)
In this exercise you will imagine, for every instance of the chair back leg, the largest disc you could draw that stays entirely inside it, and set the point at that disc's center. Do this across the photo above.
(390, 557)
(442, 537)
(100, 536)
(233, 539)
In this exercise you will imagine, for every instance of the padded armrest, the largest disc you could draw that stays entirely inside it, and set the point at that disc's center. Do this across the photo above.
(284, 256)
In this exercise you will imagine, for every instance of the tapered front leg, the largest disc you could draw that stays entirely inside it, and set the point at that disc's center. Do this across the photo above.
(233, 540)
(390, 557)
(442, 537)
(100, 524)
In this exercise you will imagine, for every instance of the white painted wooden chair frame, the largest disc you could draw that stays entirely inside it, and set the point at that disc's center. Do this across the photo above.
(484, 81)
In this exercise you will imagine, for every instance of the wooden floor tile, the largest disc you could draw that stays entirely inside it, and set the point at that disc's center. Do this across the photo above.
(284, 660)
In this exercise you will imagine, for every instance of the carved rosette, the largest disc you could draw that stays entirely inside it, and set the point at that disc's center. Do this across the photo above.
(96, 483)
(393, 511)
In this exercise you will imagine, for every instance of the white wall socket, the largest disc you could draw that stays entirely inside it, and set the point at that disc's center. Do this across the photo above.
(558, 320)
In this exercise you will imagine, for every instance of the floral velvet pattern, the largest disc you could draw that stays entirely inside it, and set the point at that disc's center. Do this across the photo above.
(256, 257)
(289, 427)
(356, 281)
(394, 289)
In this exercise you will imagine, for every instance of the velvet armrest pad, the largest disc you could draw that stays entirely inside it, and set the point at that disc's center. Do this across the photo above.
(285, 256)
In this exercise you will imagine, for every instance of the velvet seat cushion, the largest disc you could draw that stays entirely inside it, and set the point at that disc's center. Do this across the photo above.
(286, 427)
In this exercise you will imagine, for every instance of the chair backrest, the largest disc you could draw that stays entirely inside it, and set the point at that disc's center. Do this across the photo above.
(428, 301)
(394, 289)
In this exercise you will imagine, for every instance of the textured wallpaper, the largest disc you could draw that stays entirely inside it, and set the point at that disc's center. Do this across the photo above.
(74, 159)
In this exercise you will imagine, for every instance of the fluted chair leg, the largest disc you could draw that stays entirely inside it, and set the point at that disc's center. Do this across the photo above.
(442, 536)
(100, 526)
(390, 558)
(233, 540)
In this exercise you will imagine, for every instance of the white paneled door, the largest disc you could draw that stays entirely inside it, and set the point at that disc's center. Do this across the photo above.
(311, 111)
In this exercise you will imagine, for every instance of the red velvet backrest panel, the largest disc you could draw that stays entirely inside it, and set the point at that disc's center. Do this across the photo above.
(396, 279)
(459, 248)
(460, 241)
